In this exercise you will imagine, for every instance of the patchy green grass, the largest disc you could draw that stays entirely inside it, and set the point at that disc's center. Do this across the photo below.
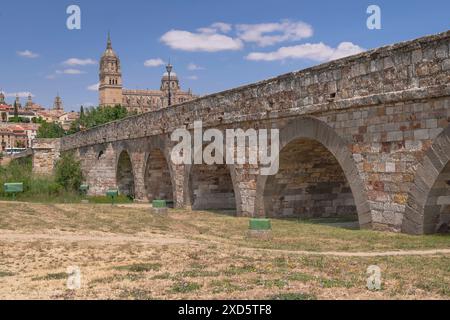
(225, 285)
(292, 234)
(300, 276)
(136, 294)
(140, 267)
(117, 278)
(211, 260)
(6, 274)
(293, 296)
(162, 276)
(65, 197)
(185, 287)
(196, 273)
(271, 283)
(236, 270)
(52, 276)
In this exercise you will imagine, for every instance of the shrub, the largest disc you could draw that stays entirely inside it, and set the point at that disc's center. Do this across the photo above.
(93, 117)
(18, 170)
(63, 188)
(68, 172)
(50, 130)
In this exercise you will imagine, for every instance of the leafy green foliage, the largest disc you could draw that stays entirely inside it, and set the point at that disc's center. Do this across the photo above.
(63, 186)
(20, 170)
(68, 172)
(50, 130)
(19, 120)
(94, 117)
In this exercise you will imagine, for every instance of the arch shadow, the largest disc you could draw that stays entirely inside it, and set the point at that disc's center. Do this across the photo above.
(221, 168)
(316, 130)
(158, 176)
(125, 174)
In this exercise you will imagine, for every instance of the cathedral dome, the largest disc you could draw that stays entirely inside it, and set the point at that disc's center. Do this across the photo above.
(109, 52)
(173, 76)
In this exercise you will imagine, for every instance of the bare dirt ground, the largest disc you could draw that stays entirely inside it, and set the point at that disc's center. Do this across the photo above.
(124, 252)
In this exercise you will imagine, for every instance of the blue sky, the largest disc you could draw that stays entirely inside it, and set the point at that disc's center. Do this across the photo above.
(213, 45)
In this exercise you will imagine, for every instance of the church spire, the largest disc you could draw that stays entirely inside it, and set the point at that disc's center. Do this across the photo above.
(29, 101)
(108, 43)
(58, 105)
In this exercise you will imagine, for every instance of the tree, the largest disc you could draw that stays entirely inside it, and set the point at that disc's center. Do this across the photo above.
(68, 172)
(94, 117)
(50, 130)
(16, 110)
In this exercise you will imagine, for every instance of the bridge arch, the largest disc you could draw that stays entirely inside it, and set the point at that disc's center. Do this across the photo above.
(125, 174)
(300, 188)
(428, 205)
(213, 187)
(158, 176)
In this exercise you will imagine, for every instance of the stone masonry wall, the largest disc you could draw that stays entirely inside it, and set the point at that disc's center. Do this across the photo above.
(45, 154)
(211, 187)
(310, 183)
(407, 71)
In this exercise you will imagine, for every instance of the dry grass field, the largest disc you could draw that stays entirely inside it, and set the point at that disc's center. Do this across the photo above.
(125, 252)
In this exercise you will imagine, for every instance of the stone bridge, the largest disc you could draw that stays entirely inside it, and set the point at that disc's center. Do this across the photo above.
(366, 136)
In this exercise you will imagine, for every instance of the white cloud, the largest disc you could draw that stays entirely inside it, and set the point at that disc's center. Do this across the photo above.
(204, 40)
(267, 34)
(69, 71)
(193, 67)
(22, 94)
(312, 51)
(154, 62)
(346, 49)
(94, 87)
(216, 27)
(193, 77)
(27, 54)
(221, 26)
(79, 62)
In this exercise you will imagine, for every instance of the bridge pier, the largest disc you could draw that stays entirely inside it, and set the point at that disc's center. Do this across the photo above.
(138, 163)
(99, 169)
(45, 154)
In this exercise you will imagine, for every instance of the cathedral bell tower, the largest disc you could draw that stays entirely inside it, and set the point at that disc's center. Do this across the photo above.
(110, 87)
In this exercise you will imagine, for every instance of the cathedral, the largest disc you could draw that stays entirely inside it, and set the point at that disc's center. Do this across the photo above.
(111, 91)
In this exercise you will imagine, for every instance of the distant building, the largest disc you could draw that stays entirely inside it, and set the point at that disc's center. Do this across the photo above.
(2, 98)
(58, 115)
(111, 90)
(29, 116)
(67, 118)
(15, 136)
(31, 106)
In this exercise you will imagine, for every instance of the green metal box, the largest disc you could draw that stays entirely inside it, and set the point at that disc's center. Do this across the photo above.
(84, 188)
(112, 193)
(159, 204)
(13, 187)
(260, 224)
